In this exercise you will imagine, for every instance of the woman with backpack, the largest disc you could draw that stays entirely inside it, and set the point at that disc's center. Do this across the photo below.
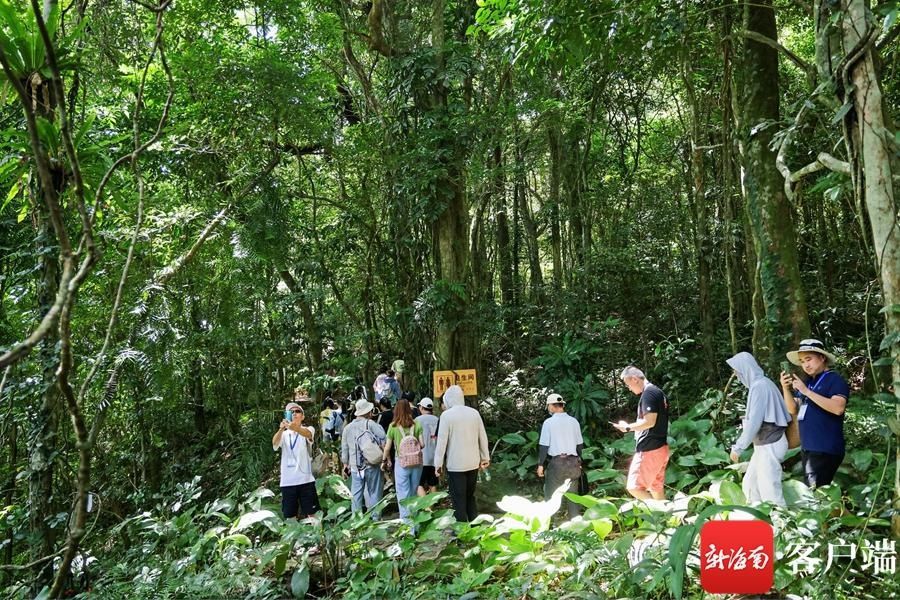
(406, 436)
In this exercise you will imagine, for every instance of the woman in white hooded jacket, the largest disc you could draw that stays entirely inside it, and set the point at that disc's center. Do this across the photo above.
(462, 449)
(764, 426)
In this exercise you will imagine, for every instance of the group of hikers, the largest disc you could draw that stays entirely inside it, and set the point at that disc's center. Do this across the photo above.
(417, 447)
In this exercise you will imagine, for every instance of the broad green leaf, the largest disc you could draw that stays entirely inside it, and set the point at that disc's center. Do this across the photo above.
(687, 461)
(842, 112)
(300, 581)
(238, 539)
(715, 456)
(513, 439)
(889, 20)
(13, 192)
(23, 213)
(601, 474)
(889, 340)
(281, 560)
(731, 493)
(252, 518)
(602, 527)
(861, 459)
(893, 424)
(796, 492)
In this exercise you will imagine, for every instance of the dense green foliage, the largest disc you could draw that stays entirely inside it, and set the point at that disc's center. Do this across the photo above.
(207, 205)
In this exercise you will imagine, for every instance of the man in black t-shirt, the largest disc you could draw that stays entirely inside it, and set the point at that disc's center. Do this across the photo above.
(647, 475)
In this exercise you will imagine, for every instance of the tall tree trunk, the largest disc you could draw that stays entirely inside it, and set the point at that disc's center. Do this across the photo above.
(728, 213)
(571, 169)
(756, 83)
(556, 158)
(44, 434)
(13, 460)
(757, 306)
(453, 343)
(482, 281)
(874, 152)
(702, 241)
(531, 242)
(310, 324)
(536, 276)
(197, 397)
(504, 255)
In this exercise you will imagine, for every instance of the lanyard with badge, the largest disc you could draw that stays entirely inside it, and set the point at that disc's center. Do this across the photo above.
(294, 461)
(812, 388)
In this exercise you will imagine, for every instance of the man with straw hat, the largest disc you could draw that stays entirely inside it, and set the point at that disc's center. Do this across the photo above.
(818, 403)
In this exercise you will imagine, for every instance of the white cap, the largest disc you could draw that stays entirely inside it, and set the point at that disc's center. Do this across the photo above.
(426, 403)
(555, 399)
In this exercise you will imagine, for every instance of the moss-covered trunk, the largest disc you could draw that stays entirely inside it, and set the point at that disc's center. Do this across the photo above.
(756, 82)
(453, 340)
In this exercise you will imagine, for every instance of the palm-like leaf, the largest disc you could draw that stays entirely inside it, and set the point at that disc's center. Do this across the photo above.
(21, 42)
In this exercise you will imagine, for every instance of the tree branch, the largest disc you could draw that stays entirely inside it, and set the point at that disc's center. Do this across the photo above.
(780, 160)
(360, 72)
(167, 272)
(823, 161)
(376, 29)
(834, 164)
(65, 129)
(51, 200)
(297, 150)
(808, 69)
(73, 404)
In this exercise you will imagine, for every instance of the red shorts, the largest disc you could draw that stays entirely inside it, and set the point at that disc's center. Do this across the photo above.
(648, 470)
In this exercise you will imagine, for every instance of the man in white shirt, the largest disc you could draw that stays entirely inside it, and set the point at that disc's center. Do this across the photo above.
(298, 486)
(462, 447)
(561, 441)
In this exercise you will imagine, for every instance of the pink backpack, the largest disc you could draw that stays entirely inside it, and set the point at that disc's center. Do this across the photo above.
(409, 453)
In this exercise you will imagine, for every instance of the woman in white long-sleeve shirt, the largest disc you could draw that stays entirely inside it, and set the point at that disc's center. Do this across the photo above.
(462, 448)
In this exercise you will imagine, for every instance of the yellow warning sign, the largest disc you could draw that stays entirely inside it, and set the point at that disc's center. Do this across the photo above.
(464, 378)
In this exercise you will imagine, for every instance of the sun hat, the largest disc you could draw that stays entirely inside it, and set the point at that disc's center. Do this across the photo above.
(555, 399)
(810, 345)
(363, 407)
(426, 403)
(293, 406)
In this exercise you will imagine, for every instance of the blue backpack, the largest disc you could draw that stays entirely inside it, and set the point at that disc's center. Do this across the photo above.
(334, 425)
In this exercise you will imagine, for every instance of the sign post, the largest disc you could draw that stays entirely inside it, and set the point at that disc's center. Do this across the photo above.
(464, 378)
